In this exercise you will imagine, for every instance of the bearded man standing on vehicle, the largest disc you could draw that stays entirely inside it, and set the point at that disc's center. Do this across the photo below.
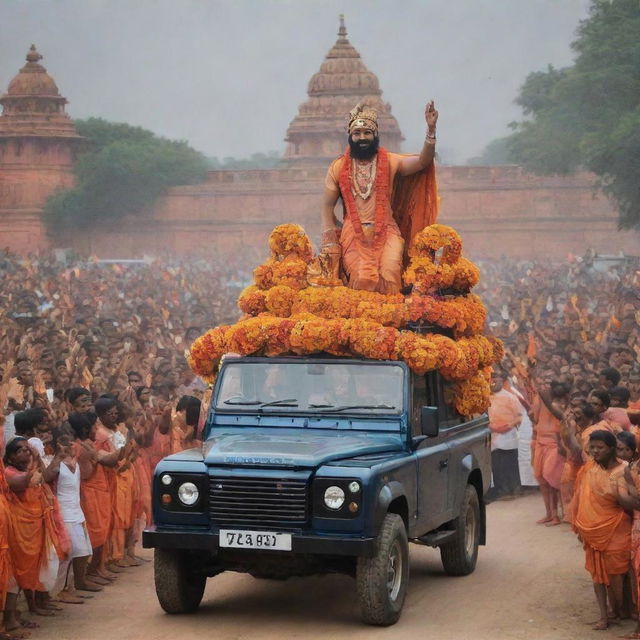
(382, 208)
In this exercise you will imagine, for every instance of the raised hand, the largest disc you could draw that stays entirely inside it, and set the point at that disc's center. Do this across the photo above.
(431, 116)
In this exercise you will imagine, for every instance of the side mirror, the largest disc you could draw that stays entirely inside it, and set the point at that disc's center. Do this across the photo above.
(429, 421)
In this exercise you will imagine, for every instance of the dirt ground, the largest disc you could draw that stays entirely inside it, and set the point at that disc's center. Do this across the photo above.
(529, 584)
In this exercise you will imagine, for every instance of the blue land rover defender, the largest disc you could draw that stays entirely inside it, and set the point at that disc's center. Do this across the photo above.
(312, 465)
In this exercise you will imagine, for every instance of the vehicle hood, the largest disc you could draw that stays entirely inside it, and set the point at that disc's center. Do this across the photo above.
(293, 448)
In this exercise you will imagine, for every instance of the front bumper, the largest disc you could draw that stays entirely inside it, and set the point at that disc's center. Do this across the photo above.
(204, 540)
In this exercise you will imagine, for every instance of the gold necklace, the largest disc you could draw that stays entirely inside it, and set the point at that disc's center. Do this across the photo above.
(363, 177)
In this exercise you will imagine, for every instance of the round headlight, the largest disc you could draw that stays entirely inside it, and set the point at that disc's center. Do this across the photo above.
(188, 493)
(166, 479)
(354, 487)
(334, 497)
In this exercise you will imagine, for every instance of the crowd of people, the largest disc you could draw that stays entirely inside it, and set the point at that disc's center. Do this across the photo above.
(95, 389)
(565, 407)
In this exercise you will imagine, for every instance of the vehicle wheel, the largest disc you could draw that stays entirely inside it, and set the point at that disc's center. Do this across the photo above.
(178, 587)
(459, 556)
(382, 580)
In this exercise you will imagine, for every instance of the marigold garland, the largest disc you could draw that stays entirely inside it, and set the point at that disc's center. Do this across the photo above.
(473, 395)
(284, 315)
(279, 300)
(263, 275)
(290, 272)
(436, 237)
(380, 193)
(290, 240)
(253, 300)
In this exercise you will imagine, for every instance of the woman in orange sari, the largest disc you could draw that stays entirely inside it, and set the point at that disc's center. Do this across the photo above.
(37, 548)
(602, 523)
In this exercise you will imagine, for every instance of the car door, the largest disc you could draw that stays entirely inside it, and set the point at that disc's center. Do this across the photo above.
(432, 461)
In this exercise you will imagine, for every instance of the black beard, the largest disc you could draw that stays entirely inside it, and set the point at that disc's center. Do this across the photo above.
(364, 150)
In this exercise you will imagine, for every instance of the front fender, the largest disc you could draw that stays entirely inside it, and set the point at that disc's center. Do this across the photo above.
(386, 495)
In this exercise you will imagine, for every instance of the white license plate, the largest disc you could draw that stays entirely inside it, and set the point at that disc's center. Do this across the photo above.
(270, 540)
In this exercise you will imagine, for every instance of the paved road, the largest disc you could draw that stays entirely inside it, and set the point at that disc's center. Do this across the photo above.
(529, 585)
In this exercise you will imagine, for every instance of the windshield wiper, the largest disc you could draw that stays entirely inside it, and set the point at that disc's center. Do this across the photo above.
(347, 407)
(287, 402)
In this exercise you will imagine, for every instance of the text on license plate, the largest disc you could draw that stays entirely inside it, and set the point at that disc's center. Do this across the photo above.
(270, 540)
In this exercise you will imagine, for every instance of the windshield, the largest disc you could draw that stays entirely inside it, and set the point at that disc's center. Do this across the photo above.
(311, 387)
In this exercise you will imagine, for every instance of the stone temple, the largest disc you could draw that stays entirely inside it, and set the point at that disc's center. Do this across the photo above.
(316, 136)
(38, 143)
(497, 210)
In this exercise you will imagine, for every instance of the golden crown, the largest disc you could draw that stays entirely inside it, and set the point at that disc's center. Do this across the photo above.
(363, 117)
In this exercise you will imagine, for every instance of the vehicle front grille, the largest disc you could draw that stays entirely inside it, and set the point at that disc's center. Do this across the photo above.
(257, 501)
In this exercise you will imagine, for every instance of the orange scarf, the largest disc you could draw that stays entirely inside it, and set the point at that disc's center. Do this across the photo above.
(380, 193)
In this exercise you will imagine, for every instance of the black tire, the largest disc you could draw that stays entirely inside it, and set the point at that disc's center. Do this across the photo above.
(459, 556)
(179, 588)
(383, 579)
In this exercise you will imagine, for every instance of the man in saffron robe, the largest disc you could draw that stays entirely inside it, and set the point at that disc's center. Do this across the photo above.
(548, 464)
(602, 523)
(371, 242)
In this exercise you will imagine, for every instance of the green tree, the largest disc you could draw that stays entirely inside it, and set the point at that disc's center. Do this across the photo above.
(588, 115)
(495, 153)
(122, 170)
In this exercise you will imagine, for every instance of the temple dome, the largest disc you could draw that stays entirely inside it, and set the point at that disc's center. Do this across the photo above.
(33, 79)
(33, 106)
(318, 133)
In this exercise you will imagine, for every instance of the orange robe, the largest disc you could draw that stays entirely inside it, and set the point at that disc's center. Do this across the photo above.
(375, 266)
(635, 541)
(34, 531)
(95, 500)
(548, 464)
(142, 494)
(567, 486)
(573, 465)
(123, 501)
(6, 537)
(160, 448)
(602, 524)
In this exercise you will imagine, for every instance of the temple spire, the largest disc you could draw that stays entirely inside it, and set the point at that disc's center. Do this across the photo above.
(342, 31)
(33, 55)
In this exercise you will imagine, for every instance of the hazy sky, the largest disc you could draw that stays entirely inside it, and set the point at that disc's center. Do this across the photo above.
(229, 75)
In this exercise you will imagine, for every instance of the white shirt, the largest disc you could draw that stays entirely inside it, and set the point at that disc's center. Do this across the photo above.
(509, 439)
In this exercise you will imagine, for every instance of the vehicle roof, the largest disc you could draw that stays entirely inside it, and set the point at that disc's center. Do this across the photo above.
(324, 358)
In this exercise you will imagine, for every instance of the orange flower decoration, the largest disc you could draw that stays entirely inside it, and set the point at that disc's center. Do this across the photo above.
(466, 275)
(284, 315)
(280, 300)
(473, 396)
(433, 238)
(263, 274)
(290, 240)
(290, 272)
(252, 300)
(247, 336)
(311, 334)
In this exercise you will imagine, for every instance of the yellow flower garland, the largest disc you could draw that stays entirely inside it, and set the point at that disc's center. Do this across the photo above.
(284, 315)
